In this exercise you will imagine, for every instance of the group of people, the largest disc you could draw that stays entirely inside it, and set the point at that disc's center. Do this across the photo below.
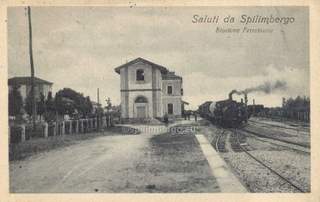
(186, 115)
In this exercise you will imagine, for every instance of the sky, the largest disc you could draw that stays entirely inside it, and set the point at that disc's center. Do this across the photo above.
(79, 47)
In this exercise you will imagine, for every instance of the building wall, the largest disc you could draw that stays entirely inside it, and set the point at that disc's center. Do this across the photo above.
(175, 98)
(150, 88)
(175, 101)
(23, 91)
(39, 88)
(147, 83)
(176, 87)
(46, 89)
(132, 105)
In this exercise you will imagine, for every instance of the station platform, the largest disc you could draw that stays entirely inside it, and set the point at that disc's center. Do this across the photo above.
(227, 181)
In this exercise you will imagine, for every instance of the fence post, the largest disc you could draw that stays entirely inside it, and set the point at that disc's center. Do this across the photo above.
(23, 133)
(92, 124)
(96, 123)
(9, 133)
(82, 126)
(76, 128)
(63, 128)
(89, 125)
(87, 120)
(105, 121)
(58, 130)
(70, 127)
(46, 129)
(54, 128)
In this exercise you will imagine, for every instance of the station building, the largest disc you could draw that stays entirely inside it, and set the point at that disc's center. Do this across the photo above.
(24, 86)
(149, 90)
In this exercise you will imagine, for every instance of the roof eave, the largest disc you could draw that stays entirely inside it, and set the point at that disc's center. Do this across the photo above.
(161, 68)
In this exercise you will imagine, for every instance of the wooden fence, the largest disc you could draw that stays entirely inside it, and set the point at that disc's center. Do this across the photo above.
(24, 132)
(290, 115)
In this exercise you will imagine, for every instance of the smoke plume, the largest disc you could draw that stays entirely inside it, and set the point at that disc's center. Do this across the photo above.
(267, 87)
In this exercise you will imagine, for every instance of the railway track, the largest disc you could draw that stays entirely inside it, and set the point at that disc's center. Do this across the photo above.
(218, 146)
(274, 138)
(278, 126)
(280, 143)
(265, 165)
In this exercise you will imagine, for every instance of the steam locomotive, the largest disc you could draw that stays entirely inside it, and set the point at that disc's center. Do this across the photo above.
(226, 113)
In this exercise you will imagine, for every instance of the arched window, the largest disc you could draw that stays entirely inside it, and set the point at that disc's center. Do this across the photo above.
(141, 99)
(140, 75)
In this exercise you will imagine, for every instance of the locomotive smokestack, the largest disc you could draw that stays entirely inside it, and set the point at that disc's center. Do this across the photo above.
(230, 95)
(246, 98)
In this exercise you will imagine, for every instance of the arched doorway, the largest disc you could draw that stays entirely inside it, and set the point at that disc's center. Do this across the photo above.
(141, 107)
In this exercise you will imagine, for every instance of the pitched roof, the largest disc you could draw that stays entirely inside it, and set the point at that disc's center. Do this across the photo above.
(185, 103)
(27, 81)
(161, 68)
(171, 76)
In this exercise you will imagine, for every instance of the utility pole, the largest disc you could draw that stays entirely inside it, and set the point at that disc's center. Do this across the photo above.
(34, 112)
(98, 98)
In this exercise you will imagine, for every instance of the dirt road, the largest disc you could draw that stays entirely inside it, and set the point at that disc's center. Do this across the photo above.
(120, 163)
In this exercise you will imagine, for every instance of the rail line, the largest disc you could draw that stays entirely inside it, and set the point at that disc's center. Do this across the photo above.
(266, 166)
(280, 143)
(278, 126)
(274, 138)
(218, 139)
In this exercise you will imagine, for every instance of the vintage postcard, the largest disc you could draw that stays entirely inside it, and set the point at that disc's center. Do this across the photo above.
(167, 99)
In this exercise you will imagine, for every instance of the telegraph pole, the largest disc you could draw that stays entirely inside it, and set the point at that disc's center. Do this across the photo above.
(34, 112)
(98, 98)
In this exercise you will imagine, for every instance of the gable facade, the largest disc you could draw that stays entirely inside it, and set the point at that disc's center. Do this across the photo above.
(144, 91)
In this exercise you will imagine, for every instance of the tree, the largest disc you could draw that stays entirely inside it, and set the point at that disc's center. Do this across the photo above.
(68, 101)
(109, 104)
(86, 106)
(64, 105)
(50, 113)
(29, 104)
(50, 102)
(15, 101)
(41, 105)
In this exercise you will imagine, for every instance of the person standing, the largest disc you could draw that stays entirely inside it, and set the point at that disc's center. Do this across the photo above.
(166, 119)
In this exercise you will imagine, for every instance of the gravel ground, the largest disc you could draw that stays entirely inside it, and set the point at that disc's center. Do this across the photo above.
(293, 165)
(178, 165)
(116, 163)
